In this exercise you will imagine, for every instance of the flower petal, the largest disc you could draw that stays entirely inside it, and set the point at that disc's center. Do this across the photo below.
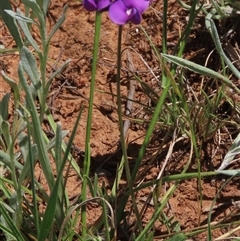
(90, 5)
(118, 12)
(103, 4)
(136, 18)
(140, 5)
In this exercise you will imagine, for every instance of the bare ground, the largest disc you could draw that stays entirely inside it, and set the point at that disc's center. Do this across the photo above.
(75, 41)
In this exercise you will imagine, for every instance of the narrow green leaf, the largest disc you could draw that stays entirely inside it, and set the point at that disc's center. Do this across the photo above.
(13, 231)
(70, 141)
(95, 185)
(45, 7)
(58, 23)
(105, 217)
(214, 33)
(49, 214)
(20, 17)
(61, 189)
(178, 237)
(52, 142)
(91, 186)
(19, 125)
(157, 212)
(37, 10)
(27, 33)
(10, 22)
(232, 152)
(15, 87)
(5, 189)
(29, 164)
(30, 66)
(37, 131)
(4, 106)
(229, 172)
(200, 70)
(5, 158)
(7, 232)
(25, 150)
(58, 71)
(6, 133)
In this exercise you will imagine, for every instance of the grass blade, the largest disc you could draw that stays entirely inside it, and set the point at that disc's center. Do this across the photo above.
(49, 214)
(13, 230)
(200, 70)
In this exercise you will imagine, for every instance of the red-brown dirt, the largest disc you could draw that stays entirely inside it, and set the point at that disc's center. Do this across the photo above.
(74, 41)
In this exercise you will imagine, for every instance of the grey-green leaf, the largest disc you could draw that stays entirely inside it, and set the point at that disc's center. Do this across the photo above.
(19, 17)
(5, 127)
(13, 231)
(37, 130)
(37, 10)
(27, 33)
(52, 204)
(58, 23)
(16, 88)
(200, 70)
(10, 22)
(30, 66)
(230, 172)
(4, 106)
(58, 71)
(45, 6)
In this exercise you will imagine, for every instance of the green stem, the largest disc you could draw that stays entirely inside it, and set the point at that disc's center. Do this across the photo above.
(164, 40)
(193, 14)
(86, 162)
(146, 141)
(185, 35)
(122, 136)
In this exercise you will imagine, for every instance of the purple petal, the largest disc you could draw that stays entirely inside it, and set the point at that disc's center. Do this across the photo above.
(140, 5)
(90, 5)
(118, 12)
(136, 18)
(103, 4)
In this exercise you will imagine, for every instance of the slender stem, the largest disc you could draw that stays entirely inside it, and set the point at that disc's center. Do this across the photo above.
(185, 35)
(182, 44)
(86, 162)
(150, 130)
(164, 40)
(122, 135)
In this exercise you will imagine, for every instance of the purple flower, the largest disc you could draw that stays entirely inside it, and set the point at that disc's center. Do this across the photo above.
(95, 5)
(123, 11)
